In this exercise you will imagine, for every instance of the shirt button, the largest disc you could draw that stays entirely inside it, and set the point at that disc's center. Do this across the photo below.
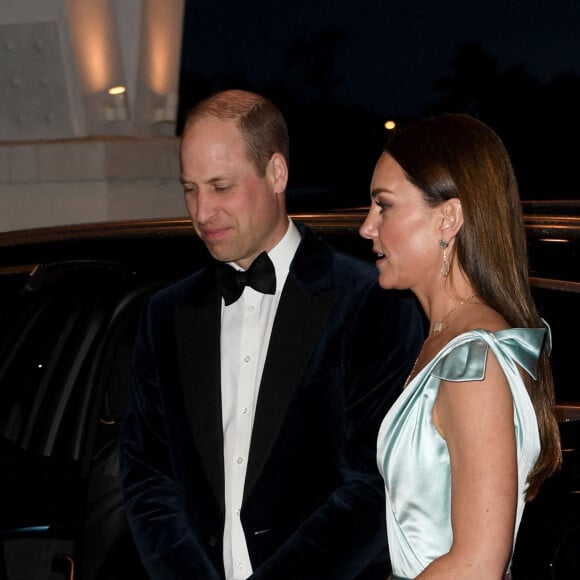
(239, 460)
(247, 358)
(244, 410)
(241, 565)
(251, 309)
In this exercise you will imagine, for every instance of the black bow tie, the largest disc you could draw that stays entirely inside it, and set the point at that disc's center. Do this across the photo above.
(261, 276)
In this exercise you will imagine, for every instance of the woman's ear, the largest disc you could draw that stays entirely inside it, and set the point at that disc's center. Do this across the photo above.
(451, 218)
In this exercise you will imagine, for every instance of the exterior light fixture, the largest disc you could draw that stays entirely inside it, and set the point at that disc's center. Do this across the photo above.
(116, 109)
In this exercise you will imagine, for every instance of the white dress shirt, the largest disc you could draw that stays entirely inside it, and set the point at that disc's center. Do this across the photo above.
(246, 326)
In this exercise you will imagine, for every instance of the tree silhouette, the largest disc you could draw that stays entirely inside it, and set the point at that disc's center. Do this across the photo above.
(334, 147)
(311, 64)
(538, 122)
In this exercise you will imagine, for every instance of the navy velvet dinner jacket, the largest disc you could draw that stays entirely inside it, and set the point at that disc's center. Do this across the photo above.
(313, 506)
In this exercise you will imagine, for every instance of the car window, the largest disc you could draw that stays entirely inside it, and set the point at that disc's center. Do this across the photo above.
(46, 350)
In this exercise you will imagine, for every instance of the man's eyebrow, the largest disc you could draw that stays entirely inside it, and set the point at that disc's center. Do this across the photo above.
(209, 181)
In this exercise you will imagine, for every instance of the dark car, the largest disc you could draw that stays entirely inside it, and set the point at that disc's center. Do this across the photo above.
(69, 303)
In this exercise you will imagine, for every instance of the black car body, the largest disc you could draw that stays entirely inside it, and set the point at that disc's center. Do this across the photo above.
(70, 301)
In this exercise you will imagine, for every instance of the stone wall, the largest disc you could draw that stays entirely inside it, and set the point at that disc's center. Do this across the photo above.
(73, 181)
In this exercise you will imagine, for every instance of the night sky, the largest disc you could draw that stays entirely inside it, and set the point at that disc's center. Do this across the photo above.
(510, 62)
(390, 53)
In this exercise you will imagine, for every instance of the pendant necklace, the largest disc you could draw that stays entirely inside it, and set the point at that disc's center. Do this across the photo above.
(439, 324)
(436, 329)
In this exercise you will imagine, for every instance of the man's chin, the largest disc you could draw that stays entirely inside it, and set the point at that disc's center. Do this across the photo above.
(221, 256)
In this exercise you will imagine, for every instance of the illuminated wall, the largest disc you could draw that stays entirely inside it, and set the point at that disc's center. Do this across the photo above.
(70, 152)
(63, 56)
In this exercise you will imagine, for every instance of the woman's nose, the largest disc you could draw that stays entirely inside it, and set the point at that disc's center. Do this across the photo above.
(367, 229)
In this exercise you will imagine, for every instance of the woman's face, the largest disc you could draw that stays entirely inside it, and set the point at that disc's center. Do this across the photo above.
(405, 231)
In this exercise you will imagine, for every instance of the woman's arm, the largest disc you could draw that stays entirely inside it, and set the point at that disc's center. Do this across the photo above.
(476, 420)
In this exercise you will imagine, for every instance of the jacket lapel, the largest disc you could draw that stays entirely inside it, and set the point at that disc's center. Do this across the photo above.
(198, 339)
(303, 310)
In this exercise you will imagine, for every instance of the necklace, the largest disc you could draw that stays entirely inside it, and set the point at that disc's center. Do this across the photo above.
(436, 329)
(439, 324)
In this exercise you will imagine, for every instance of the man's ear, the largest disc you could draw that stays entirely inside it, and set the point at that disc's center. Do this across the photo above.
(278, 169)
(451, 218)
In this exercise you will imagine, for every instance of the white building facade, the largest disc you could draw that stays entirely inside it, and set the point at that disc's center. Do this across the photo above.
(88, 111)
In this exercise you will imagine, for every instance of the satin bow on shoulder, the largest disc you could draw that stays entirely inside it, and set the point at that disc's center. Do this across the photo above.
(261, 276)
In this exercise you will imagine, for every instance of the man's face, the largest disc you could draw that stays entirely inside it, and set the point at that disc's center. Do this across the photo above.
(235, 212)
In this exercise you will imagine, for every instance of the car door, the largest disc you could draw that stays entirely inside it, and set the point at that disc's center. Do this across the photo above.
(65, 347)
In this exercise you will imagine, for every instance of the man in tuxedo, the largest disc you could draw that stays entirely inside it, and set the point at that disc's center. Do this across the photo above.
(259, 382)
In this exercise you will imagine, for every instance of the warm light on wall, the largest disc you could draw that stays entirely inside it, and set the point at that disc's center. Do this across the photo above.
(162, 35)
(135, 44)
(93, 31)
(390, 125)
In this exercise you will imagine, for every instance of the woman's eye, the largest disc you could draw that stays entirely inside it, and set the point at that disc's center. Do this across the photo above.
(382, 205)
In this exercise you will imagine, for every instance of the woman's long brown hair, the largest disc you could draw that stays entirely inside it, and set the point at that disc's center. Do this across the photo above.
(455, 155)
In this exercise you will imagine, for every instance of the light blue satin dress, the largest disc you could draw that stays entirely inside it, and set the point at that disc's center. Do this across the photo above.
(413, 457)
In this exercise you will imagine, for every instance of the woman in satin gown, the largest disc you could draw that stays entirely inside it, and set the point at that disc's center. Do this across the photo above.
(473, 435)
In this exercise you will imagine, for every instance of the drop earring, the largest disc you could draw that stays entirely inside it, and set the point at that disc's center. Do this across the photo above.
(445, 266)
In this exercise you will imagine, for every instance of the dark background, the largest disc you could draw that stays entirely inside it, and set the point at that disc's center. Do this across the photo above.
(339, 70)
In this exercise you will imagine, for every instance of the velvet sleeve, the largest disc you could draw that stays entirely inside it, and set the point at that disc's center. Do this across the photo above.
(168, 546)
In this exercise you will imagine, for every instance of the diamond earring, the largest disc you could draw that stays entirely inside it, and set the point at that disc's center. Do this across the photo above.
(445, 266)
